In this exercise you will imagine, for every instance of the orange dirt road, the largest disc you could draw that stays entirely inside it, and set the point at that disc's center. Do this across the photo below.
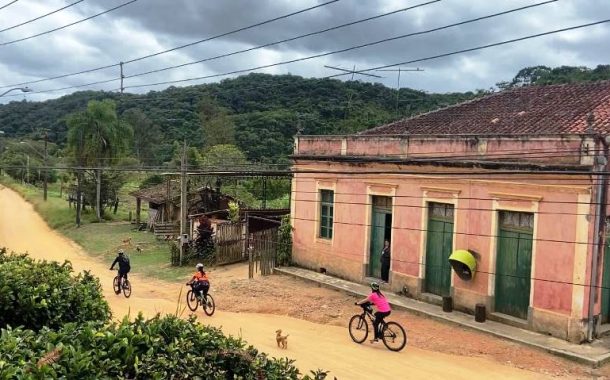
(311, 345)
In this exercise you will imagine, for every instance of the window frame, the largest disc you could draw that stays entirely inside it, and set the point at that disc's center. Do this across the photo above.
(326, 221)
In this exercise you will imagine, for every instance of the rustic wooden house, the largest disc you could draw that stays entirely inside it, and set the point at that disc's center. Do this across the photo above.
(164, 205)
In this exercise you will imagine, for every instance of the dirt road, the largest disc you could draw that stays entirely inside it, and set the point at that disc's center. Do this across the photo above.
(311, 345)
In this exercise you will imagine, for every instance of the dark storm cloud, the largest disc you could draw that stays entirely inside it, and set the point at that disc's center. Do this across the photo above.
(149, 26)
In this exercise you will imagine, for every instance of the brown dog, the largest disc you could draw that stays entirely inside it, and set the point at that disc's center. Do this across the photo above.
(282, 340)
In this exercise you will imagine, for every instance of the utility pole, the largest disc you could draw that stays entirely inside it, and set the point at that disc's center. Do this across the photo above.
(46, 140)
(183, 201)
(27, 168)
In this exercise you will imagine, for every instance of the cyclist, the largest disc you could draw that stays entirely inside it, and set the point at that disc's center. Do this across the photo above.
(200, 282)
(381, 304)
(124, 267)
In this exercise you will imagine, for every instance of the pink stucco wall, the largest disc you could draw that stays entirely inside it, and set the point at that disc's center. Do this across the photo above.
(553, 260)
(558, 149)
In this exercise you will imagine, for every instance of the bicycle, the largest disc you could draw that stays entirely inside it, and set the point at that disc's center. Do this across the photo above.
(195, 300)
(119, 285)
(393, 335)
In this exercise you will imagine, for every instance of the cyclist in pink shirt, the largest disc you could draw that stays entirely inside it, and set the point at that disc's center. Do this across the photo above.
(381, 304)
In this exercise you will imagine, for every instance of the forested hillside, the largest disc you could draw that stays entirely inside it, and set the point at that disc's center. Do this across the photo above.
(259, 113)
(262, 112)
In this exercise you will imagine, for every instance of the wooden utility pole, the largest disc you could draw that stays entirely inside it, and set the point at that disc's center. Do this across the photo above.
(46, 172)
(183, 201)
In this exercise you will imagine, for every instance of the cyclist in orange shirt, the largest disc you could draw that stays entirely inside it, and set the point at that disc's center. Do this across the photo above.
(200, 282)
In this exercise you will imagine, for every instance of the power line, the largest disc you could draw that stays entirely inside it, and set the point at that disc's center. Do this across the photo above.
(365, 45)
(6, 5)
(68, 25)
(177, 47)
(284, 40)
(41, 17)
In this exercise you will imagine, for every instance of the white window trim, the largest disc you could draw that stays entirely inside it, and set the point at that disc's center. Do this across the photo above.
(324, 185)
(389, 190)
(497, 206)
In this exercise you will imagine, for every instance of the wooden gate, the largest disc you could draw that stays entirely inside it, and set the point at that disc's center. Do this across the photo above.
(514, 263)
(229, 243)
(262, 251)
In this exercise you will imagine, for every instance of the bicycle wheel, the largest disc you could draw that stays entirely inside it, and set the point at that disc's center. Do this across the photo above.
(126, 288)
(115, 285)
(358, 328)
(209, 306)
(394, 336)
(191, 300)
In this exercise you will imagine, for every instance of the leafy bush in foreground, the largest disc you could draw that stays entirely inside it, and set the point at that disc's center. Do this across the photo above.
(159, 348)
(37, 294)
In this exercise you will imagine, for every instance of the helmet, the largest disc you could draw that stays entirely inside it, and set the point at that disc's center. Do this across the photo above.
(374, 286)
(121, 252)
(199, 266)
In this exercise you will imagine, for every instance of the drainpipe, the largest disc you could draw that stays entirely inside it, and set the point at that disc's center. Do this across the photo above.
(601, 161)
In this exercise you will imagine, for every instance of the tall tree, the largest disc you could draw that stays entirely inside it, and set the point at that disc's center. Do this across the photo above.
(146, 135)
(97, 137)
(216, 123)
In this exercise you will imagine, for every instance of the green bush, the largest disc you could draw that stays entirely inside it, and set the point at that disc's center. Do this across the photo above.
(35, 294)
(284, 250)
(159, 348)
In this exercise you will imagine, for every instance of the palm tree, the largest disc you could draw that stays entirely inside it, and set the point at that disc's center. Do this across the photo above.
(96, 137)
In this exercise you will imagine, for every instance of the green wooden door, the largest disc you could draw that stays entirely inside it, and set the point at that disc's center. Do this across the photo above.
(439, 245)
(381, 229)
(377, 233)
(606, 285)
(514, 263)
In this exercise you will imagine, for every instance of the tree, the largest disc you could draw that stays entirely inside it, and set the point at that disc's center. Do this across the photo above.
(146, 135)
(223, 157)
(216, 123)
(97, 137)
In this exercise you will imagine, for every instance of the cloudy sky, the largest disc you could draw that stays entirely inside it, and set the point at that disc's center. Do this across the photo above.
(146, 27)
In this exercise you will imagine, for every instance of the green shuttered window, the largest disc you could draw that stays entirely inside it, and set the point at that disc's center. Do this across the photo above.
(326, 213)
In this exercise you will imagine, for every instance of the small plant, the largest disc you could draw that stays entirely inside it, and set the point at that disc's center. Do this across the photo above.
(234, 212)
(284, 251)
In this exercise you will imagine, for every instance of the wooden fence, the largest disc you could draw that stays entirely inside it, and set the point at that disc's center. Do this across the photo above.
(229, 242)
(262, 250)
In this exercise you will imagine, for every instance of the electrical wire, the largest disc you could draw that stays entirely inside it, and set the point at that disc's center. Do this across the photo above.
(283, 41)
(67, 25)
(177, 47)
(301, 59)
(6, 5)
(41, 17)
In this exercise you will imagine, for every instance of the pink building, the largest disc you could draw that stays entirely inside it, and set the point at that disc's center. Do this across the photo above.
(518, 178)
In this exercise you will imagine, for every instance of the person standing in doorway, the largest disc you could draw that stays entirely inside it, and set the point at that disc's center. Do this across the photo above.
(385, 261)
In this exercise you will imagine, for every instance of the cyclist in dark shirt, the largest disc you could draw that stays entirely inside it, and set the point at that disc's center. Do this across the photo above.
(124, 266)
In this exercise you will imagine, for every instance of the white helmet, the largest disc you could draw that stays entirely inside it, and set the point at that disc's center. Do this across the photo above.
(199, 266)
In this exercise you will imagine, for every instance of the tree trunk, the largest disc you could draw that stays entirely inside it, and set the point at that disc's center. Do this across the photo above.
(98, 195)
(78, 198)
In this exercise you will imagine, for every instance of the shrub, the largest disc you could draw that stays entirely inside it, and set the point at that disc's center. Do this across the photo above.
(34, 294)
(284, 251)
(158, 348)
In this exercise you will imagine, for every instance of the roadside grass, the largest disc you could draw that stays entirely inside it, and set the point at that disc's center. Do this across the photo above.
(102, 240)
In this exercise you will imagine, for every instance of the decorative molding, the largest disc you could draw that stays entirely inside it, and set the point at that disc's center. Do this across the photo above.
(380, 184)
(510, 196)
(441, 190)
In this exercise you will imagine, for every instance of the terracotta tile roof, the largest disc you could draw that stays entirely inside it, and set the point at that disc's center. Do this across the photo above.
(553, 109)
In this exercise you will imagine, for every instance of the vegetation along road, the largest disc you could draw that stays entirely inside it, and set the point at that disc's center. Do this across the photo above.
(312, 345)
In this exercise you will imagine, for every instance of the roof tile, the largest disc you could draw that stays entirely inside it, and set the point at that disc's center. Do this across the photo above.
(551, 109)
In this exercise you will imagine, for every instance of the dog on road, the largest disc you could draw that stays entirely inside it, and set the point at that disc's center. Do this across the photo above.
(282, 340)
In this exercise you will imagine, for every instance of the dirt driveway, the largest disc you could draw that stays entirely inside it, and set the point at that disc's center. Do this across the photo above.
(314, 317)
